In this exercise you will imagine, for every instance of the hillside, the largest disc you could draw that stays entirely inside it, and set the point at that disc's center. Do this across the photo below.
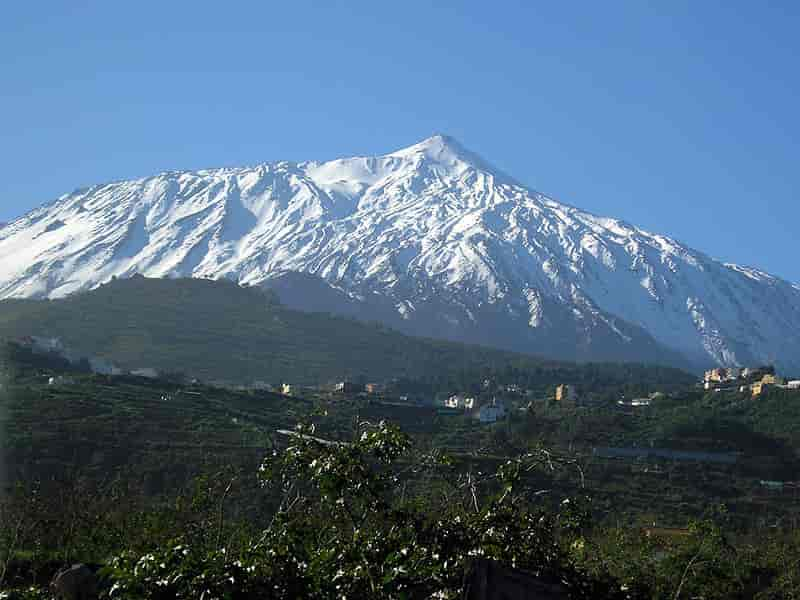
(100, 465)
(431, 240)
(219, 330)
(155, 434)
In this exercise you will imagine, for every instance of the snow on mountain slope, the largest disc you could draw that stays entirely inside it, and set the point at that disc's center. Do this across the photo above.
(435, 236)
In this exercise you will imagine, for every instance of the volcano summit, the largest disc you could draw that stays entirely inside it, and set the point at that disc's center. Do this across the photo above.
(431, 240)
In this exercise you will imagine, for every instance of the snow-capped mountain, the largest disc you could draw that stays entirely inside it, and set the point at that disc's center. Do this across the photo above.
(430, 239)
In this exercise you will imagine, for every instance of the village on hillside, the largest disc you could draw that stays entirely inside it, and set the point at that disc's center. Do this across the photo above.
(753, 380)
(494, 402)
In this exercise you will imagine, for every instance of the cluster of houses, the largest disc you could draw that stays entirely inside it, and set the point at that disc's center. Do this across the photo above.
(640, 402)
(487, 412)
(568, 396)
(345, 387)
(752, 380)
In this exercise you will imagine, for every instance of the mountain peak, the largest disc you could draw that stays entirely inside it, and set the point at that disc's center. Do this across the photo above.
(446, 242)
(434, 146)
(447, 150)
(441, 140)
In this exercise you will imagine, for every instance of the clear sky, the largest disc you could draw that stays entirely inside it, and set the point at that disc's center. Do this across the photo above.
(680, 117)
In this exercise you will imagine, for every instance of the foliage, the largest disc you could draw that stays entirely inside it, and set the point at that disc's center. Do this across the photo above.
(350, 505)
(342, 530)
(375, 517)
(219, 330)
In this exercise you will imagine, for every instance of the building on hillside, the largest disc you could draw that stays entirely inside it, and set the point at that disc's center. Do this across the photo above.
(753, 373)
(373, 388)
(454, 401)
(60, 380)
(767, 381)
(793, 385)
(734, 373)
(348, 387)
(460, 401)
(731, 378)
(287, 389)
(635, 403)
(147, 372)
(771, 379)
(567, 395)
(718, 374)
(714, 376)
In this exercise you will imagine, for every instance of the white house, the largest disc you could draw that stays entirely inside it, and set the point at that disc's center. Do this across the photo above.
(147, 372)
(454, 401)
(460, 401)
(635, 403)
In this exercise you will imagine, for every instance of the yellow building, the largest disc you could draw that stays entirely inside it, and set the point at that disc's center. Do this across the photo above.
(769, 379)
(716, 375)
(766, 381)
(566, 395)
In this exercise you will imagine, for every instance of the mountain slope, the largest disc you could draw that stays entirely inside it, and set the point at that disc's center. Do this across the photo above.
(219, 330)
(431, 237)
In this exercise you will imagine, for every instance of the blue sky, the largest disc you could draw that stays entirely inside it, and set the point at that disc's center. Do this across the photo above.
(679, 117)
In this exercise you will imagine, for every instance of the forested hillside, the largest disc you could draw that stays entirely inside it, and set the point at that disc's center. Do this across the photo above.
(193, 485)
(219, 330)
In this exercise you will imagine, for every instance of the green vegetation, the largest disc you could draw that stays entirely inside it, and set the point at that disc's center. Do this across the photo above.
(165, 487)
(219, 330)
(373, 517)
(158, 432)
